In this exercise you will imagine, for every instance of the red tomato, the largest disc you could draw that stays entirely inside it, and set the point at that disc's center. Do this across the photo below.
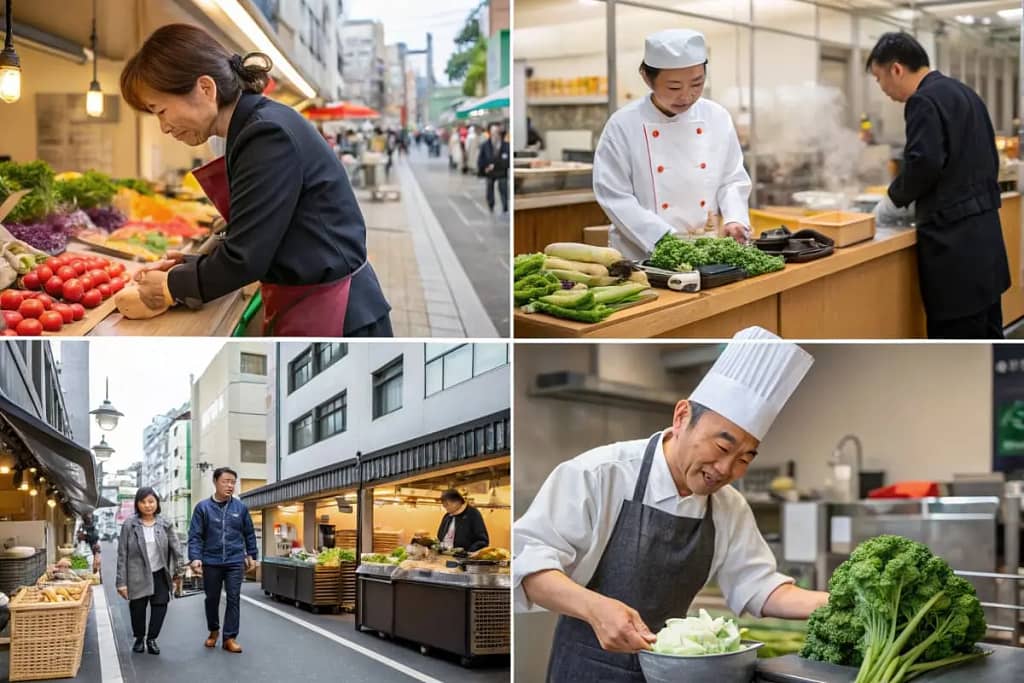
(52, 263)
(117, 284)
(73, 290)
(10, 299)
(52, 321)
(66, 273)
(46, 299)
(12, 318)
(99, 276)
(44, 273)
(65, 312)
(31, 280)
(31, 308)
(86, 281)
(92, 298)
(79, 266)
(78, 310)
(29, 328)
(115, 269)
(8, 333)
(106, 290)
(63, 260)
(54, 286)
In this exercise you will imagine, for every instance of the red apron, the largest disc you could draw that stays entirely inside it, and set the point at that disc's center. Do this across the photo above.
(323, 306)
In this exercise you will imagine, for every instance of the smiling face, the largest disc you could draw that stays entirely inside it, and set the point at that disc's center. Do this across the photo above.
(709, 454)
(676, 90)
(188, 118)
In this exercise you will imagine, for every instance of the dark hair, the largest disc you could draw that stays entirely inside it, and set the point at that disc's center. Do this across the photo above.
(897, 47)
(697, 410)
(175, 56)
(652, 73)
(224, 470)
(452, 496)
(144, 493)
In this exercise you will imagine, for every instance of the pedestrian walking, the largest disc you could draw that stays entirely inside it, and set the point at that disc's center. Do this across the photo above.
(493, 164)
(149, 556)
(222, 547)
(88, 535)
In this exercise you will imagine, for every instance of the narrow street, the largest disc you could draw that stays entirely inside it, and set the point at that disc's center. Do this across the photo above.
(281, 643)
(480, 239)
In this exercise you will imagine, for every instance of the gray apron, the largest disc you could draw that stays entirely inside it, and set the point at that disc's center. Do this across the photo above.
(656, 563)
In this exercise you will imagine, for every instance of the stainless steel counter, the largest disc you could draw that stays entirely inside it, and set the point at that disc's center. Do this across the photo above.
(456, 579)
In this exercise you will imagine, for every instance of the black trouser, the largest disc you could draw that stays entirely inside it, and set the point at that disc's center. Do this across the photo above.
(229, 579)
(986, 324)
(381, 327)
(158, 608)
(502, 188)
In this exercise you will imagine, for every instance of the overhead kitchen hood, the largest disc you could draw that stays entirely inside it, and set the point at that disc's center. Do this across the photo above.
(576, 386)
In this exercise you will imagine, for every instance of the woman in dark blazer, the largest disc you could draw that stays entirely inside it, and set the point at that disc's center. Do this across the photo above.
(293, 220)
(148, 556)
(462, 526)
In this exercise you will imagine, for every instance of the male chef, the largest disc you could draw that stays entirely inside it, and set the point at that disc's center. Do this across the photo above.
(621, 538)
(670, 160)
(951, 169)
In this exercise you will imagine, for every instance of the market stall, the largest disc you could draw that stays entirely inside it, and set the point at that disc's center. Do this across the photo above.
(865, 290)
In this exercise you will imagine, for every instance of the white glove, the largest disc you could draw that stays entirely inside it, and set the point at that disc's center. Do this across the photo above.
(885, 209)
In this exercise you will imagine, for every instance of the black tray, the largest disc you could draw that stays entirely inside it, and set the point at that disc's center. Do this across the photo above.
(719, 274)
(799, 247)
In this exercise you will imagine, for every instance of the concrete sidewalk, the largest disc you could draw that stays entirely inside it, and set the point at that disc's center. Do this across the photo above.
(430, 293)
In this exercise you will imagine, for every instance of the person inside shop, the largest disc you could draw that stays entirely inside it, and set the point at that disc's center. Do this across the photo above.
(222, 547)
(950, 172)
(293, 221)
(90, 536)
(621, 538)
(149, 555)
(493, 163)
(534, 140)
(462, 525)
(671, 161)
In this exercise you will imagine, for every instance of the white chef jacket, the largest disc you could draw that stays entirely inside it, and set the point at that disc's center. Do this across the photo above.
(655, 174)
(570, 522)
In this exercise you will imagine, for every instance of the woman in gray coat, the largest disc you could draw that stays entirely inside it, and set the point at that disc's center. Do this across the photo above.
(148, 556)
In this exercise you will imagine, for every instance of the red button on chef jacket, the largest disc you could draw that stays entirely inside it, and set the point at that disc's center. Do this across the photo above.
(702, 203)
(664, 206)
(703, 165)
(661, 169)
(700, 131)
(655, 133)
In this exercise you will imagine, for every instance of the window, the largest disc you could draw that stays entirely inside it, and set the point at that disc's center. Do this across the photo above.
(331, 417)
(301, 433)
(451, 364)
(253, 451)
(387, 388)
(327, 354)
(254, 364)
(300, 370)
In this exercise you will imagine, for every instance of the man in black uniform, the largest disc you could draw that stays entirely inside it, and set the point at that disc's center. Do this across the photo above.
(950, 169)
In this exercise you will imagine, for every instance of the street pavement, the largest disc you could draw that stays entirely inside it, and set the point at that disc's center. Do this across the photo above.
(281, 643)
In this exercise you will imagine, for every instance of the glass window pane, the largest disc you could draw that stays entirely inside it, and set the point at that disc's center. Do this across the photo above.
(434, 377)
(393, 395)
(489, 356)
(435, 350)
(458, 366)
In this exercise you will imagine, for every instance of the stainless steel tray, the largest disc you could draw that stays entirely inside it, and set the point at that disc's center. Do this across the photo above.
(460, 579)
(386, 571)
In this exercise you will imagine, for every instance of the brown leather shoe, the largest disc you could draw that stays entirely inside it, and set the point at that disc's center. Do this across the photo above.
(231, 645)
(212, 640)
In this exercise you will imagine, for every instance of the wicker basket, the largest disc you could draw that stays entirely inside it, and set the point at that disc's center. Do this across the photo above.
(20, 571)
(47, 638)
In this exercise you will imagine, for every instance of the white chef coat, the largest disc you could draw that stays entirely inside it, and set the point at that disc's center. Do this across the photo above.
(570, 522)
(655, 174)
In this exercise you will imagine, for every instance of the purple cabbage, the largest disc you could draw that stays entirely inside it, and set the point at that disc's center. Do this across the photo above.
(51, 235)
(106, 218)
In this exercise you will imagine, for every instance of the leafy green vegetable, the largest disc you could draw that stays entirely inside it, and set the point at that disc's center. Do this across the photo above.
(588, 315)
(36, 176)
(535, 286)
(672, 253)
(332, 557)
(400, 553)
(699, 635)
(90, 190)
(574, 298)
(896, 610)
(79, 562)
(140, 186)
(527, 264)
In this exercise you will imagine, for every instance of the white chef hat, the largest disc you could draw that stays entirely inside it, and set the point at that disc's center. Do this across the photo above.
(675, 48)
(752, 379)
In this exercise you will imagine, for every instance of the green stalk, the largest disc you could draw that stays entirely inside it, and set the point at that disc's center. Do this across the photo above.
(918, 669)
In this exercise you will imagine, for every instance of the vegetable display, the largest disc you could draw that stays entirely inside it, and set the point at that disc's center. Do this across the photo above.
(700, 635)
(673, 253)
(84, 190)
(38, 178)
(79, 562)
(333, 557)
(896, 611)
(379, 558)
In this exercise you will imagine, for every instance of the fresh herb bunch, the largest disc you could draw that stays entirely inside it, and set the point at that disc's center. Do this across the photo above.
(36, 176)
(89, 191)
(672, 253)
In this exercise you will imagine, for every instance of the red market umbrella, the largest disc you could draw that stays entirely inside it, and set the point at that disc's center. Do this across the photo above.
(341, 110)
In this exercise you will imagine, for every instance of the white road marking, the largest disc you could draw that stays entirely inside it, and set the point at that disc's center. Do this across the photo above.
(397, 666)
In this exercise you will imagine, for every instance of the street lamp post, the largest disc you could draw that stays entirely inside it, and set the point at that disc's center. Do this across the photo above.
(107, 415)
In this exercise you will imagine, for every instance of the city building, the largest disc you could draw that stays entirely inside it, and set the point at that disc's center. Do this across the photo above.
(364, 62)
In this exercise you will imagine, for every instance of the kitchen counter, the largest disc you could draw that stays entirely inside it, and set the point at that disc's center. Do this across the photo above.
(546, 200)
(866, 291)
(1004, 665)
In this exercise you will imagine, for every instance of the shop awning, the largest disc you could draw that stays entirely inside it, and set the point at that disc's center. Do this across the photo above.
(478, 439)
(341, 111)
(72, 468)
(496, 100)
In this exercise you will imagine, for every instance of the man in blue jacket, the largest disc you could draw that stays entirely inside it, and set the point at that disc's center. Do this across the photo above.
(222, 547)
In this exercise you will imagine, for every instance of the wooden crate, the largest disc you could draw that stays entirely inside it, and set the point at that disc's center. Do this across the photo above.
(325, 585)
(47, 638)
(348, 586)
(386, 541)
(844, 227)
(345, 538)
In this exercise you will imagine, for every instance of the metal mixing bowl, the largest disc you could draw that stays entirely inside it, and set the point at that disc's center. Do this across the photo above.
(731, 667)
